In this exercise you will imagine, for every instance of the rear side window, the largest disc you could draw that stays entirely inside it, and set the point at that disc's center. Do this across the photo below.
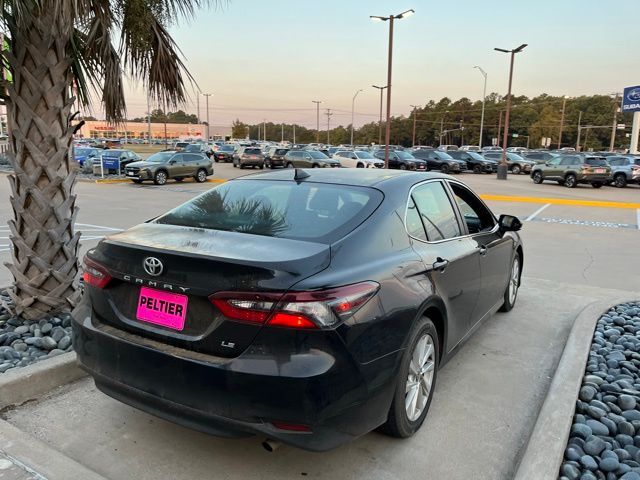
(308, 211)
(436, 211)
(596, 162)
(617, 161)
(569, 160)
(414, 223)
(281, 151)
(252, 151)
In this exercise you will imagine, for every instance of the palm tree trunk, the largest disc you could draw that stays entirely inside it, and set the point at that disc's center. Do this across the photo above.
(44, 245)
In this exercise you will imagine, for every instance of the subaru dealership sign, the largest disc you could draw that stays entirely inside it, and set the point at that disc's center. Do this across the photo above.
(631, 99)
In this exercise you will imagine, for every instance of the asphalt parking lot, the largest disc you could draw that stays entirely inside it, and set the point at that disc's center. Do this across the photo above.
(580, 246)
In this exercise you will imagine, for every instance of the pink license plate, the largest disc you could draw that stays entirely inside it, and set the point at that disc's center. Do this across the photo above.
(599, 170)
(162, 308)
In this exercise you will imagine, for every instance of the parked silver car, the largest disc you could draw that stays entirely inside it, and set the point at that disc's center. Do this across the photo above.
(625, 169)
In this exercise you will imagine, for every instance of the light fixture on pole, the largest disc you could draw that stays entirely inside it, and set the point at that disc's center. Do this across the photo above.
(564, 104)
(380, 122)
(390, 19)
(484, 98)
(353, 106)
(413, 137)
(317, 102)
(502, 166)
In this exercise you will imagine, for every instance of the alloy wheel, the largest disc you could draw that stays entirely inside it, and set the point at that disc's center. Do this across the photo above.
(514, 281)
(420, 378)
(202, 176)
(161, 178)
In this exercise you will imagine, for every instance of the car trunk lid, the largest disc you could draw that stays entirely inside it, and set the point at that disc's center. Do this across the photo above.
(195, 263)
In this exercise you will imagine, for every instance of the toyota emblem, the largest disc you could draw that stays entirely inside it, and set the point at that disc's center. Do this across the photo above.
(152, 266)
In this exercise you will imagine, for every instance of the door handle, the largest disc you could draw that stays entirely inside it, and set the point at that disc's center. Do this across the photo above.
(440, 264)
(483, 250)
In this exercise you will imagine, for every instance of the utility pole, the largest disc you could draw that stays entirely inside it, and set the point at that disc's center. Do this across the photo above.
(500, 127)
(317, 102)
(614, 127)
(264, 127)
(413, 144)
(198, 93)
(380, 121)
(564, 104)
(207, 95)
(579, 130)
(328, 114)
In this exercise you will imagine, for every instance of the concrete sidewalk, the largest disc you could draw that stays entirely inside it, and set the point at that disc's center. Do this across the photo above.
(486, 403)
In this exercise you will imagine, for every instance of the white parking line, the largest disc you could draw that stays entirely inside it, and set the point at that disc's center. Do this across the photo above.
(101, 227)
(536, 213)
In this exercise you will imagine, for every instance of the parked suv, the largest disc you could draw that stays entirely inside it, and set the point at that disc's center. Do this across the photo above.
(248, 157)
(570, 170)
(161, 166)
(475, 161)
(358, 159)
(224, 153)
(309, 159)
(515, 163)
(274, 157)
(441, 160)
(199, 148)
(624, 169)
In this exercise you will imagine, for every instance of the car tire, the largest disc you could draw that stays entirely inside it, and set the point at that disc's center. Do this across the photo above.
(136, 180)
(216, 160)
(360, 165)
(403, 166)
(261, 166)
(444, 168)
(201, 175)
(290, 165)
(160, 178)
(620, 180)
(511, 292)
(179, 179)
(570, 181)
(597, 184)
(516, 169)
(315, 165)
(537, 177)
(477, 169)
(405, 417)
(241, 166)
(560, 182)
(234, 165)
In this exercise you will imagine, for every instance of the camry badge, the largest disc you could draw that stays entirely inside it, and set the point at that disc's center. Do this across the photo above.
(152, 266)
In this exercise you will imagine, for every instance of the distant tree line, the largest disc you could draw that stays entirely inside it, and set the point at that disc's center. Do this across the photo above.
(158, 116)
(459, 120)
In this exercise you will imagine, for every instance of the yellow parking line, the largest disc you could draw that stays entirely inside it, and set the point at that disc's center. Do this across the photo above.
(561, 201)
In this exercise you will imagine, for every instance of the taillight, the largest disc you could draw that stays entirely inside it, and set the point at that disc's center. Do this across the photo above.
(314, 309)
(585, 167)
(95, 274)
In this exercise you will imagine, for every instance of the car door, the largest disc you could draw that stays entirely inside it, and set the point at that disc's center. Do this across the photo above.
(176, 166)
(495, 249)
(451, 258)
(552, 170)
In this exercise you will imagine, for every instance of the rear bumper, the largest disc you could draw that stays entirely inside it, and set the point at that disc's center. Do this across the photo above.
(594, 178)
(236, 397)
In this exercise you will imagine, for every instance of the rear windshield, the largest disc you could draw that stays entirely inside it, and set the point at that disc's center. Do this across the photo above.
(252, 151)
(309, 211)
(192, 148)
(596, 162)
(226, 148)
(281, 151)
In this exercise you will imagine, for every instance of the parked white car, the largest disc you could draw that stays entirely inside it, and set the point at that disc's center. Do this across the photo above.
(357, 159)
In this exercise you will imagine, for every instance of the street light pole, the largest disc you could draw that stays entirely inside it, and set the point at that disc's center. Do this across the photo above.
(579, 131)
(484, 98)
(502, 167)
(564, 104)
(328, 114)
(390, 19)
(207, 95)
(380, 122)
(353, 105)
(612, 143)
(317, 102)
(413, 141)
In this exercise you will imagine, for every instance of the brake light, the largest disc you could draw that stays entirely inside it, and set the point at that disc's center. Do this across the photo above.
(95, 274)
(291, 427)
(301, 310)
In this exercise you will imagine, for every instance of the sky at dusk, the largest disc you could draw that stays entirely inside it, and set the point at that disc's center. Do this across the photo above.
(267, 60)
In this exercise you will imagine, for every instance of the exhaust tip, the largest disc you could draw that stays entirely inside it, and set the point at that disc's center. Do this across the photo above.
(270, 445)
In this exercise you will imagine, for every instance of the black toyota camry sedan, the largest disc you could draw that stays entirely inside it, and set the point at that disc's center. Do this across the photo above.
(305, 306)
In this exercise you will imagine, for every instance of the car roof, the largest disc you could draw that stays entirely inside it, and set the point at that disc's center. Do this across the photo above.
(348, 176)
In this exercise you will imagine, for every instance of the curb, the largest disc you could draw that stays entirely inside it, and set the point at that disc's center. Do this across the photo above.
(544, 451)
(19, 385)
(38, 458)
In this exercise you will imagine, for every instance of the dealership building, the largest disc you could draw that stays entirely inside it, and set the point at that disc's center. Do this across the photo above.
(139, 130)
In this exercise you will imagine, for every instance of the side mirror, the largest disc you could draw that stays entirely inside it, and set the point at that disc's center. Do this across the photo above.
(509, 223)
(172, 162)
